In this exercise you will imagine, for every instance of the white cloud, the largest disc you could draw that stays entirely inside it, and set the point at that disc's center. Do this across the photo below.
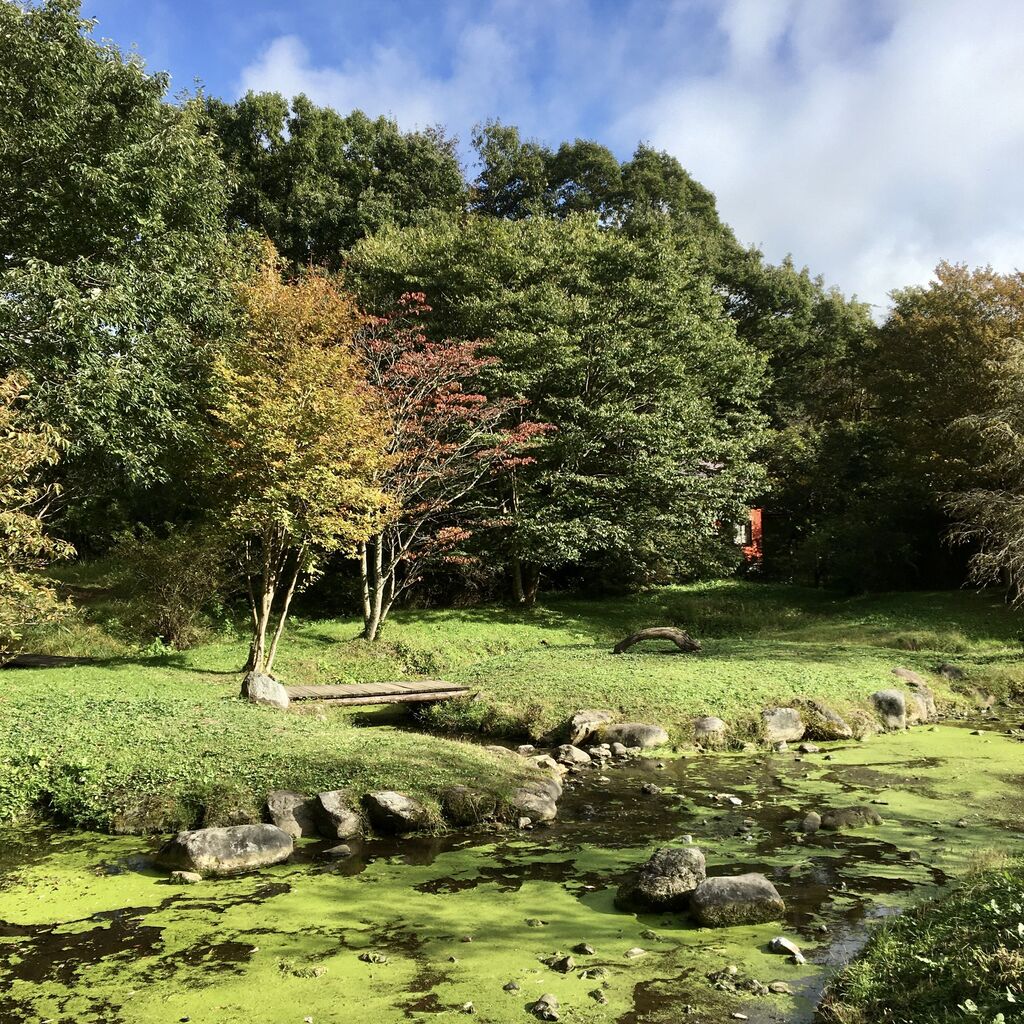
(869, 164)
(869, 139)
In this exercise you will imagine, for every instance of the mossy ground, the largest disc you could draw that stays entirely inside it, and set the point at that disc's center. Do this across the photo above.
(92, 934)
(149, 738)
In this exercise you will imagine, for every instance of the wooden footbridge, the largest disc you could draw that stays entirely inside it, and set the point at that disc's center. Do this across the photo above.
(418, 691)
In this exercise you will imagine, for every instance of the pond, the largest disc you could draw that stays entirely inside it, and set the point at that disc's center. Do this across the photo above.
(91, 931)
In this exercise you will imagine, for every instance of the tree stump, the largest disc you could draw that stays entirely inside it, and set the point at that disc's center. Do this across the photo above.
(679, 637)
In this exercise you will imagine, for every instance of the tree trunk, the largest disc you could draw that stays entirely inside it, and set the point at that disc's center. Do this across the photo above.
(289, 594)
(517, 582)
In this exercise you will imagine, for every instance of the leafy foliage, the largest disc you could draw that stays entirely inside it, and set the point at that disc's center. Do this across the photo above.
(299, 447)
(27, 447)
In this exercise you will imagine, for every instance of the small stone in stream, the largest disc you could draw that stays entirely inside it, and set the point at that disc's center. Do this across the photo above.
(632, 954)
(598, 996)
(740, 1016)
(650, 789)
(849, 817)
(619, 750)
(373, 958)
(593, 973)
(661, 764)
(823, 928)
(812, 822)
(185, 877)
(468, 1008)
(511, 986)
(882, 803)
(453, 959)
(524, 823)
(562, 964)
(339, 851)
(546, 1008)
(977, 732)
(827, 757)
(809, 748)
(526, 749)
(583, 949)
(651, 936)
(466, 938)
(780, 944)
(780, 988)
(781, 747)
(739, 899)
(963, 823)
(535, 922)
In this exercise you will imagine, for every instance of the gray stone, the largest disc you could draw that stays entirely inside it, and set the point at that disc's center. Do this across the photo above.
(821, 722)
(634, 734)
(226, 851)
(910, 676)
(891, 706)
(546, 1007)
(264, 689)
(742, 899)
(185, 877)
(585, 723)
(849, 817)
(395, 813)
(619, 750)
(568, 754)
(339, 852)
(294, 813)
(951, 672)
(780, 944)
(664, 882)
(782, 725)
(464, 806)
(710, 731)
(812, 822)
(336, 818)
(809, 748)
(536, 804)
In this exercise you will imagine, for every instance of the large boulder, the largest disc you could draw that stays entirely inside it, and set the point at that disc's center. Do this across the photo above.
(849, 817)
(538, 798)
(710, 731)
(665, 882)
(821, 722)
(264, 689)
(891, 706)
(226, 851)
(294, 813)
(782, 725)
(634, 734)
(585, 723)
(395, 813)
(336, 818)
(571, 755)
(742, 899)
(464, 806)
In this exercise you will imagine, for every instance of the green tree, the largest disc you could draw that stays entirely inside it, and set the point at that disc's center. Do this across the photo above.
(113, 257)
(298, 445)
(27, 448)
(622, 345)
(315, 181)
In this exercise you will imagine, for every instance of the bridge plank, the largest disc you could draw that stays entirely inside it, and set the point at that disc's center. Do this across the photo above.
(414, 691)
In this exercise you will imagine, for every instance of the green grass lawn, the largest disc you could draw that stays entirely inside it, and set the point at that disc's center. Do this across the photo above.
(150, 737)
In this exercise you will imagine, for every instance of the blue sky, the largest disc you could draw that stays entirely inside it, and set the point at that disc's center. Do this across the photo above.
(869, 138)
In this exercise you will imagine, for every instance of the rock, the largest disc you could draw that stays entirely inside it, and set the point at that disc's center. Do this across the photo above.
(891, 706)
(264, 689)
(650, 789)
(526, 749)
(585, 723)
(464, 806)
(335, 816)
(583, 949)
(185, 877)
(849, 817)
(598, 996)
(782, 725)
(511, 986)
(568, 754)
(665, 882)
(812, 822)
(546, 1007)
(546, 763)
(951, 672)
(742, 899)
(563, 964)
(909, 676)
(634, 734)
(538, 800)
(780, 944)
(339, 852)
(294, 813)
(395, 813)
(781, 746)
(821, 722)
(809, 748)
(468, 1008)
(226, 851)
(619, 750)
(710, 731)
(779, 988)
(920, 707)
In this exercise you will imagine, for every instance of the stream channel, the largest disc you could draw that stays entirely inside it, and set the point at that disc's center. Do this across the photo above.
(90, 931)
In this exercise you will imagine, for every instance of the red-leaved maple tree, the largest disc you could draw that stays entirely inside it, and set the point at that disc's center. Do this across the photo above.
(444, 438)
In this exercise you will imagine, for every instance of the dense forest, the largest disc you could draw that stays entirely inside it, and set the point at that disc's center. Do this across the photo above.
(264, 348)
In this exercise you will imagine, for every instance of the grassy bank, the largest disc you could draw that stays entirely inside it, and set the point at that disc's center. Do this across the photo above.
(150, 737)
(958, 958)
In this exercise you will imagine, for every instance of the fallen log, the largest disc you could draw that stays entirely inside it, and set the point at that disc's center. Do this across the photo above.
(679, 637)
